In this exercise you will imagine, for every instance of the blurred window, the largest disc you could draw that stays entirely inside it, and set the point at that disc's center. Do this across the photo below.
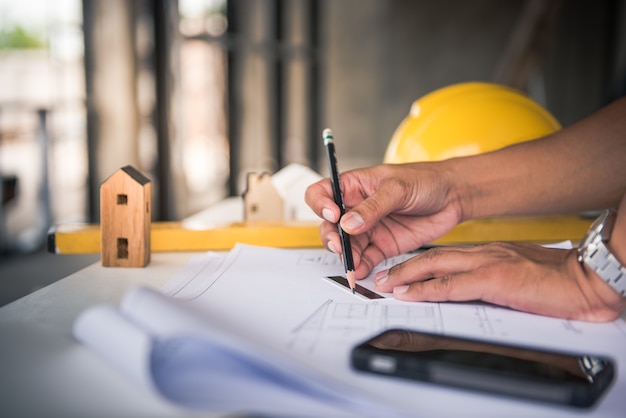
(42, 118)
(203, 119)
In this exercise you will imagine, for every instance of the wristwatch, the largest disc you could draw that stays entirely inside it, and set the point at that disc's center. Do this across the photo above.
(593, 252)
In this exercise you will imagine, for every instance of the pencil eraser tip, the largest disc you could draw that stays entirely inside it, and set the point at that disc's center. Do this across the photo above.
(327, 133)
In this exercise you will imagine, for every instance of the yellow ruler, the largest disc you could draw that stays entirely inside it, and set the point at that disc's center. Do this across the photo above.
(173, 236)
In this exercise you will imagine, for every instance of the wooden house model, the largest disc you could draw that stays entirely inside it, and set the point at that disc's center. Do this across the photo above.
(261, 200)
(125, 217)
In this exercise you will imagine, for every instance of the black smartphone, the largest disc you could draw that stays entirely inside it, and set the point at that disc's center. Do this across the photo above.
(559, 377)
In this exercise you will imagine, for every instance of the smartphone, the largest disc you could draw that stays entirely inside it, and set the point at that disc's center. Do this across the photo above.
(565, 378)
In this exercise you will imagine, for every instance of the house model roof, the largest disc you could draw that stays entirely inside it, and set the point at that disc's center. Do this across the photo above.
(135, 174)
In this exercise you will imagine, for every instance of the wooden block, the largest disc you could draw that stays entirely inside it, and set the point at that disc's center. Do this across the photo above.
(125, 219)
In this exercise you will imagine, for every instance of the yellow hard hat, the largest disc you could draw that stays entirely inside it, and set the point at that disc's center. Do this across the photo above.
(467, 119)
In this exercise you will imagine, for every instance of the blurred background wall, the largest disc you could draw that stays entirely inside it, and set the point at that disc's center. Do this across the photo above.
(196, 93)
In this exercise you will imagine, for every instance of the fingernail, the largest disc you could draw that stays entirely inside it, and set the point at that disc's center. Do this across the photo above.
(327, 214)
(382, 277)
(352, 220)
(331, 247)
(399, 290)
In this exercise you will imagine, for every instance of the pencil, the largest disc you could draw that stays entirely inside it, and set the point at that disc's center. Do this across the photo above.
(346, 247)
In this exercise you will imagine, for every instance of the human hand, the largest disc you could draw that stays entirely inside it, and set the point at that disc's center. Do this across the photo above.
(521, 276)
(390, 209)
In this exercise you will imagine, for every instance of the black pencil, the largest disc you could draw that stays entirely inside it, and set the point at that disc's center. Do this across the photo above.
(346, 247)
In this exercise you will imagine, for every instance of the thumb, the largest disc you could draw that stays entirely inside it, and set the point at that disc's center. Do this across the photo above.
(367, 213)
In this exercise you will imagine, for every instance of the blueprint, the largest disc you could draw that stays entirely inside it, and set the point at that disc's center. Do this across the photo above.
(259, 330)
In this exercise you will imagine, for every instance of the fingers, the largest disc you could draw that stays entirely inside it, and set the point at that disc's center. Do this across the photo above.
(366, 256)
(319, 197)
(455, 287)
(456, 274)
(330, 237)
(435, 263)
(368, 212)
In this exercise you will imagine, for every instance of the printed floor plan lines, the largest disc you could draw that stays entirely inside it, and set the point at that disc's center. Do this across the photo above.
(337, 321)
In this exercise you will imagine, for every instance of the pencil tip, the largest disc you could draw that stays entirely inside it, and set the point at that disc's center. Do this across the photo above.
(351, 276)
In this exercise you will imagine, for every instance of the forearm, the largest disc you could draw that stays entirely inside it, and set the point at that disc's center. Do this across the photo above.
(582, 167)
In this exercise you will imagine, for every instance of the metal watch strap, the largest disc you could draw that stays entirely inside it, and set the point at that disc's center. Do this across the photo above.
(593, 252)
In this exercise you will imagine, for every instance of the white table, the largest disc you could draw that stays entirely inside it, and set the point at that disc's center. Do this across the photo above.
(46, 373)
